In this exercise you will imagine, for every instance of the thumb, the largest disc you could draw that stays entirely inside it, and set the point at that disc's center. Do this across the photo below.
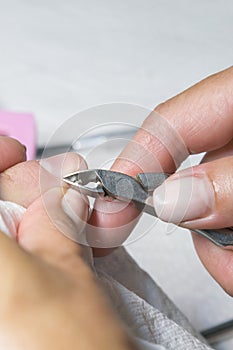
(201, 197)
(53, 224)
(198, 197)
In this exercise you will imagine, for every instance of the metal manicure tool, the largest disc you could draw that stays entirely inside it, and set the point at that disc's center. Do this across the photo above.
(102, 183)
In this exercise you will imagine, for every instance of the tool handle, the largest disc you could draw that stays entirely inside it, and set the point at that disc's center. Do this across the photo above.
(222, 237)
(150, 181)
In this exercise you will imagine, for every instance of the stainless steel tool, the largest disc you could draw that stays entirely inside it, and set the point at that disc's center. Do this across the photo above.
(138, 189)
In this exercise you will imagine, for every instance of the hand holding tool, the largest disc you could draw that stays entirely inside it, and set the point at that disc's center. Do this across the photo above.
(138, 189)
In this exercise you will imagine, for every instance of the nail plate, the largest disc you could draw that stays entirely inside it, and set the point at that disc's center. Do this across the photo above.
(184, 198)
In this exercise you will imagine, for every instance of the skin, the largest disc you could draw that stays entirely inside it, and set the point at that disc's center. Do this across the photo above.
(50, 298)
(57, 286)
(200, 119)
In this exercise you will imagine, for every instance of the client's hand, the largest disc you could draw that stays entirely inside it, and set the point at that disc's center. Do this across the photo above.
(49, 296)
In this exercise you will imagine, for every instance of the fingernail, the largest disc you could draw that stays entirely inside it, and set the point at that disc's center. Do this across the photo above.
(63, 164)
(184, 198)
(75, 206)
(68, 214)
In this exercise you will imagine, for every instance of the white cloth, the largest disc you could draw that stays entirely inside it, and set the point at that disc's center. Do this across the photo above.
(10, 217)
(152, 319)
(143, 307)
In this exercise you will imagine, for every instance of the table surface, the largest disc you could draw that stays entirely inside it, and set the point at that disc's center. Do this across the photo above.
(60, 57)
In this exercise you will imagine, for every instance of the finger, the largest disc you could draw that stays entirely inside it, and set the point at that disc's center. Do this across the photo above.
(53, 224)
(11, 152)
(109, 235)
(197, 120)
(217, 261)
(222, 152)
(198, 197)
(12, 260)
(42, 232)
(25, 182)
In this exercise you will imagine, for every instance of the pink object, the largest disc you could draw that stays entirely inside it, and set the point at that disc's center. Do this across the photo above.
(20, 126)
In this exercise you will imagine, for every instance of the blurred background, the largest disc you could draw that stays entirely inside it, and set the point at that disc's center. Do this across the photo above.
(58, 58)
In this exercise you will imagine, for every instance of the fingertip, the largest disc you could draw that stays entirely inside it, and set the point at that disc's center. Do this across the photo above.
(111, 223)
(11, 151)
(63, 164)
(184, 197)
(54, 223)
(75, 206)
(217, 261)
(57, 167)
(23, 183)
(67, 209)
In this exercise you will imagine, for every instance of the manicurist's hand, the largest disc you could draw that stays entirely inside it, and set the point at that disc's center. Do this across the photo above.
(49, 295)
(198, 120)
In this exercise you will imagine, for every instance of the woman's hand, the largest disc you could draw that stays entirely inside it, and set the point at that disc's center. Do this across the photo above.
(49, 296)
(198, 120)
